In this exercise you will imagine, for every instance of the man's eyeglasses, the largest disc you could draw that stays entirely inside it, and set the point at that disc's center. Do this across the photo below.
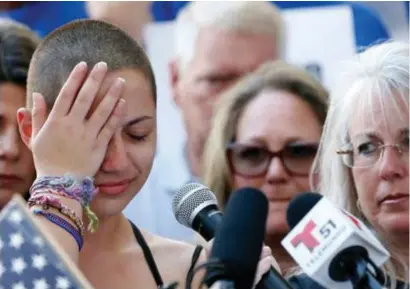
(367, 153)
(254, 161)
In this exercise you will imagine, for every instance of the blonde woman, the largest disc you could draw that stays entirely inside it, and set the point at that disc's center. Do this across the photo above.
(265, 135)
(364, 153)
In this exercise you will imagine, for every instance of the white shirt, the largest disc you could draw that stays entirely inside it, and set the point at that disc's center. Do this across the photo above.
(151, 209)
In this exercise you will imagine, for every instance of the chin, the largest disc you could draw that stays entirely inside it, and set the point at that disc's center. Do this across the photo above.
(107, 207)
(276, 226)
(395, 224)
(5, 197)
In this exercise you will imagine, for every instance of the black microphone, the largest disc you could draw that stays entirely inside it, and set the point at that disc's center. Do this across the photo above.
(341, 247)
(195, 206)
(238, 242)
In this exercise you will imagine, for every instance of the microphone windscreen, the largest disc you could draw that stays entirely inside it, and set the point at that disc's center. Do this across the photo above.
(299, 206)
(239, 240)
(190, 199)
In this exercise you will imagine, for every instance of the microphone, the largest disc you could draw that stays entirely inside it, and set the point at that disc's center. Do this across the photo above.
(195, 206)
(238, 242)
(332, 246)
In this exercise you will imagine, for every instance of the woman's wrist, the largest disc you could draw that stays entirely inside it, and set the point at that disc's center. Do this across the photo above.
(74, 205)
(79, 189)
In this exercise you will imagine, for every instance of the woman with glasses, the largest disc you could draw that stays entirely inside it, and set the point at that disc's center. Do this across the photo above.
(363, 160)
(265, 135)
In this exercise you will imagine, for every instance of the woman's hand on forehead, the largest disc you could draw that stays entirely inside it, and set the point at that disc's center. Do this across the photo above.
(69, 141)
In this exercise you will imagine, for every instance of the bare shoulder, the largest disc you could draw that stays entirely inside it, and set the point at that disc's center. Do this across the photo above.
(174, 258)
(167, 248)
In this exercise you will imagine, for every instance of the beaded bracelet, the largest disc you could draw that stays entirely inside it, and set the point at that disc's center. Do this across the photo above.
(82, 190)
(47, 201)
(62, 224)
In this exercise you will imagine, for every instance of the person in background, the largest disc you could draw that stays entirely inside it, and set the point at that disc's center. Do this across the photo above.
(363, 159)
(215, 45)
(17, 173)
(369, 26)
(265, 135)
(130, 16)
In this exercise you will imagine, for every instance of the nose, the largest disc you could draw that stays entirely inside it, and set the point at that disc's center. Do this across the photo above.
(277, 172)
(115, 157)
(10, 143)
(392, 166)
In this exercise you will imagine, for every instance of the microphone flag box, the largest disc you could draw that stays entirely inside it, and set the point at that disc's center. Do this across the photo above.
(324, 232)
(30, 258)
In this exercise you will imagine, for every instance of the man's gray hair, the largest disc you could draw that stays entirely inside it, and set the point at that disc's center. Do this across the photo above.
(255, 17)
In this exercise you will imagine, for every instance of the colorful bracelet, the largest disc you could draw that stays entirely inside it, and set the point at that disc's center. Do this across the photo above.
(82, 190)
(47, 201)
(62, 224)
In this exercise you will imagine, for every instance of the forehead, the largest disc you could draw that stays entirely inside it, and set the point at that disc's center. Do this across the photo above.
(237, 52)
(137, 92)
(385, 115)
(278, 115)
(12, 97)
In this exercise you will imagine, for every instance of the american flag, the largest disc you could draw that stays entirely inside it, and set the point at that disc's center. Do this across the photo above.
(27, 259)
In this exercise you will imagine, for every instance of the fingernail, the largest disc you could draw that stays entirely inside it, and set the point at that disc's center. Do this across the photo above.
(120, 82)
(82, 65)
(101, 65)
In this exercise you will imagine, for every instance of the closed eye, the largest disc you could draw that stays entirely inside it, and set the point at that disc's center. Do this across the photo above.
(138, 137)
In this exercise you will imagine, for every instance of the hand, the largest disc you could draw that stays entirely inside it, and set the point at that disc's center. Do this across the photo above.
(266, 261)
(68, 142)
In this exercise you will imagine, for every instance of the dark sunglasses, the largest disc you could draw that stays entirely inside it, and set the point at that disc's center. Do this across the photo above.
(254, 161)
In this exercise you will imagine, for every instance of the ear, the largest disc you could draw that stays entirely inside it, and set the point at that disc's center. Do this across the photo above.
(25, 125)
(174, 80)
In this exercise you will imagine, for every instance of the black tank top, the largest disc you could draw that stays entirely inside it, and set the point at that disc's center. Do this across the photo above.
(150, 259)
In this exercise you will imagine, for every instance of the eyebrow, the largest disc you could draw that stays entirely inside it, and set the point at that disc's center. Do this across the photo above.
(138, 120)
(374, 135)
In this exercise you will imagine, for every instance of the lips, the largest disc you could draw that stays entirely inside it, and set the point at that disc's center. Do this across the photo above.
(113, 188)
(9, 181)
(395, 198)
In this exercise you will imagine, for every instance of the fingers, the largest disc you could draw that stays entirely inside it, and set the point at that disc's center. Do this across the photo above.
(109, 128)
(69, 90)
(39, 113)
(266, 251)
(88, 91)
(105, 108)
(264, 266)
